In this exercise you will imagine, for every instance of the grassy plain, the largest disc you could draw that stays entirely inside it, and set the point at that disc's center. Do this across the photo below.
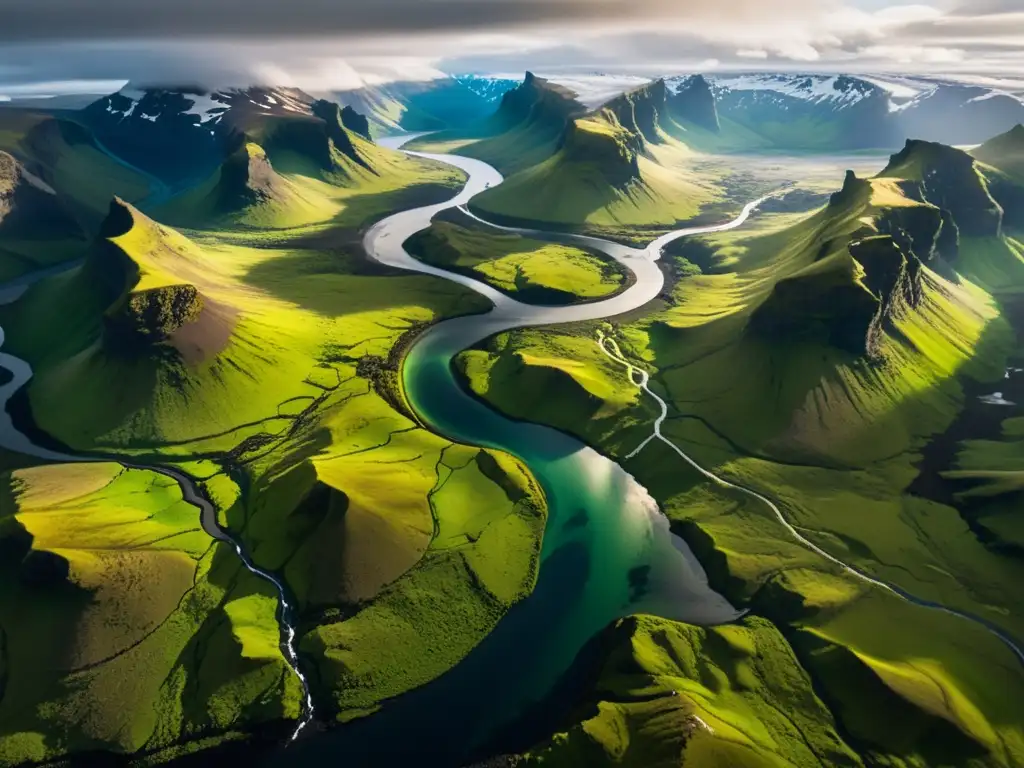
(528, 270)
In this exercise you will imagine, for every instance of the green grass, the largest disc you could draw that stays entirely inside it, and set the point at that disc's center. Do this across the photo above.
(728, 696)
(276, 384)
(835, 439)
(104, 658)
(529, 270)
(584, 188)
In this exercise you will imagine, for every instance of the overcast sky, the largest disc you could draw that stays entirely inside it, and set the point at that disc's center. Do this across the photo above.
(61, 45)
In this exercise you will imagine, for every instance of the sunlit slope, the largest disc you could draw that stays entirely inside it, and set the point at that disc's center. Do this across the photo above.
(670, 694)
(271, 369)
(126, 628)
(613, 168)
(531, 271)
(301, 170)
(814, 363)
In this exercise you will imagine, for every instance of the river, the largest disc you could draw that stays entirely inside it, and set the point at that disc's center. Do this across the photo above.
(607, 553)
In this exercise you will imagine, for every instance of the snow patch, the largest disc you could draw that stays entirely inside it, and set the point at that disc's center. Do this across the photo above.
(815, 89)
(208, 108)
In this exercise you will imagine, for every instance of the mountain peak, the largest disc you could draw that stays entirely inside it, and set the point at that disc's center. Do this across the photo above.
(694, 101)
(853, 188)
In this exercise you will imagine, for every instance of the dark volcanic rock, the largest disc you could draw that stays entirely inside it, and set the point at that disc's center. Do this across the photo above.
(247, 177)
(819, 307)
(331, 115)
(694, 102)
(826, 303)
(638, 110)
(853, 190)
(948, 179)
(356, 122)
(152, 316)
(538, 100)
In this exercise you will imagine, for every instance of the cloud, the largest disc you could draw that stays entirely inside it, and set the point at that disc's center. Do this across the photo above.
(117, 19)
(338, 44)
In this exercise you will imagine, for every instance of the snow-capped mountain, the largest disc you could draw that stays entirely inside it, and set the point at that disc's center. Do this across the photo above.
(487, 87)
(428, 105)
(833, 91)
(200, 108)
(850, 112)
(178, 133)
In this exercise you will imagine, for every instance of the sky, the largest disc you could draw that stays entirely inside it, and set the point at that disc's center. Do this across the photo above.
(59, 46)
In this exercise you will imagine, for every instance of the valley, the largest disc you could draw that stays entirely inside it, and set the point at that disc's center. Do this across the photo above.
(595, 433)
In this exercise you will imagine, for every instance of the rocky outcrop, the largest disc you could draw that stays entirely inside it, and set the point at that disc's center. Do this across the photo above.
(638, 111)
(853, 192)
(948, 179)
(247, 177)
(338, 134)
(603, 143)
(925, 231)
(356, 122)
(821, 304)
(847, 301)
(152, 316)
(538, 100)
(694, 102)
(135, 320)
(893, 275)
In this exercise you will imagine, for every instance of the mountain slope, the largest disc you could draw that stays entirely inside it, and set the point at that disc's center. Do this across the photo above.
(68, 159)
(1002, 164)
(36, 227)
(791, 111)
(526, 129)
(813, 363)
(181, 135)
(247, 191)
(445, 103)
(605, 171)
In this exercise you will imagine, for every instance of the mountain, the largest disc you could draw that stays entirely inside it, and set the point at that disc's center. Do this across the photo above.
(598, 169)
(639, 111)
(448, 102)
(811, 362)
(693, 101)
(37, 228)
(837, 112)
(1004, 152)
(955, 113)
(800, 112)
(526, 129)
(66, 157)
(181, 135)
(1001, 162)
(246, 191)
(947, 178)
(29, 207)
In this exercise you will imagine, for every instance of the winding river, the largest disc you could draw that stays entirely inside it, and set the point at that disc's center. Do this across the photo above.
(608, 551)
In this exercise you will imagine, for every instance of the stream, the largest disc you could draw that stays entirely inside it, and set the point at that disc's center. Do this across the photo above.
(608, 551)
